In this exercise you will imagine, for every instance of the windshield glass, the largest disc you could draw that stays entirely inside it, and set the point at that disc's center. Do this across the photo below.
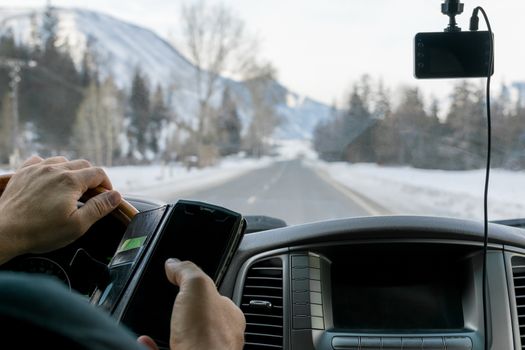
(299, 110)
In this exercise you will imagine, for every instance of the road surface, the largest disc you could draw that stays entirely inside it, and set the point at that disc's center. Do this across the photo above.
(287, 190)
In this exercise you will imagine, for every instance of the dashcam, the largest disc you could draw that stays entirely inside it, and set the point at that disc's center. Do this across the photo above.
(452, 55)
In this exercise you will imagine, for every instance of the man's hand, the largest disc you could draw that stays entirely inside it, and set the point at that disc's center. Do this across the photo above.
(38, 209)
(201, 317)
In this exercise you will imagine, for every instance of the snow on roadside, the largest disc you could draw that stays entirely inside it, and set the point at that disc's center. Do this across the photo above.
(159, 181)
(163, 181)
(405, 190)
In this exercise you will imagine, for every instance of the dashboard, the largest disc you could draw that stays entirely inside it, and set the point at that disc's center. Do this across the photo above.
(380, 283)
(395, 282)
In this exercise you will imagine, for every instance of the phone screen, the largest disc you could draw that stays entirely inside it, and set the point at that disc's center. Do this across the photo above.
(202, 233)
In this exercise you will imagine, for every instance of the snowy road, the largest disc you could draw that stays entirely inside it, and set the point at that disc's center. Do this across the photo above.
(287, 190)
(311, 190)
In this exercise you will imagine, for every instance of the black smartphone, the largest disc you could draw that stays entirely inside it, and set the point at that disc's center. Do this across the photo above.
(452, 55)
(205, 234)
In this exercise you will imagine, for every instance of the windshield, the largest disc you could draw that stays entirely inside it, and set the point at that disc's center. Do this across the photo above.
(299, 110)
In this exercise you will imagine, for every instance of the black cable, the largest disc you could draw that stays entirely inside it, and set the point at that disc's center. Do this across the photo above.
(474, 21)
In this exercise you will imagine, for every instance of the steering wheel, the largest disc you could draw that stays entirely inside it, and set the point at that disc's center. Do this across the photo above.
(124, 212)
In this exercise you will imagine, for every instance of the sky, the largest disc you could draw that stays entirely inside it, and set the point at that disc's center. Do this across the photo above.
(321, 47)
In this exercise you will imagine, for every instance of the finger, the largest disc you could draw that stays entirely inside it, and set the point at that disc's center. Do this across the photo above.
(92, 178)
(147, 342)
(182, 273)
(55, 160)
(31, 161)
(96, 208)
(77, 164)
(172, 267)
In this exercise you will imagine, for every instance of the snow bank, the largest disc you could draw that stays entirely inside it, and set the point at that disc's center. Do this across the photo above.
(160, 181)
(405, 190)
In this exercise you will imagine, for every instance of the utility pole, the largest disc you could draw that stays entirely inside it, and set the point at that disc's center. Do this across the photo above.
(15, 67)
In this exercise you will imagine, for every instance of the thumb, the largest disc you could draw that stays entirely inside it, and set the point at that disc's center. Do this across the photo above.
(147, 342)
(174, 271)
(186, 275)
(98, 207)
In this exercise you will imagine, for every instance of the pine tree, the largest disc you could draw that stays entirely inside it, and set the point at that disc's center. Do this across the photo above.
(382, 102)
(140, 115)
(515, 158)
(412, 126)
(35, 41)
(357, 125)
(228, 126)
(50, 94)
(384, 139)
(467, 124)
(89, 69)
(49, 27)
(159, 118)
(503, 131)
(327, 138)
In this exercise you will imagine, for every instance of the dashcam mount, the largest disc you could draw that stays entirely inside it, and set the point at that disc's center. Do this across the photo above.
(452, 8)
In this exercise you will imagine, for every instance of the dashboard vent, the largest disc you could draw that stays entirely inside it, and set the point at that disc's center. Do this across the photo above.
(262, 304)
(518, 274)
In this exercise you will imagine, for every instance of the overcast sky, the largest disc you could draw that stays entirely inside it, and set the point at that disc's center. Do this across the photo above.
(321, 46)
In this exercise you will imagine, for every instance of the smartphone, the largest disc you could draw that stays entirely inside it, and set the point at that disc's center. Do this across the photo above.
(452, 55)
(205, 234)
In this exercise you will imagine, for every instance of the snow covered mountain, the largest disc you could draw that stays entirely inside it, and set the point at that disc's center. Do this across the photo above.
(121, 47)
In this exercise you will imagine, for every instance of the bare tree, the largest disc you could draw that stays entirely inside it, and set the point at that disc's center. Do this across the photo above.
(216, 41)
(260, 79)
(6, 129)
(99, 122)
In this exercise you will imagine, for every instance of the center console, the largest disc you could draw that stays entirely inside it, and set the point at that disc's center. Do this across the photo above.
(386, 296)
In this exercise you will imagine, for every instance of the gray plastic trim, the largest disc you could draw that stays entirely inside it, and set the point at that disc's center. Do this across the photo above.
(512, 299)
(500, 310)
(492, 246)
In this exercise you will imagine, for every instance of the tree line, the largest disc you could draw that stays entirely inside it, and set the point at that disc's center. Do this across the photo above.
(424, 134)
(78, 111)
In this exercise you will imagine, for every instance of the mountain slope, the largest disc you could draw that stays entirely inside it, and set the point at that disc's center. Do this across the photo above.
(122, 47)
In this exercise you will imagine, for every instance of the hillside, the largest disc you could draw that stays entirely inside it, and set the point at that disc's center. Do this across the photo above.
(121, 47)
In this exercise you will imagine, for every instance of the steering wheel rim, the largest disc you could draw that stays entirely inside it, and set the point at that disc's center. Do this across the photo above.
(125, 212)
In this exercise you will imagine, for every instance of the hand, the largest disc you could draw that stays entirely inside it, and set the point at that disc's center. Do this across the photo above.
(201, 317)
(38, 209)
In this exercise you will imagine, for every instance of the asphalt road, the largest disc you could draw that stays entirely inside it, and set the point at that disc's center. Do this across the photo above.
(287, 190)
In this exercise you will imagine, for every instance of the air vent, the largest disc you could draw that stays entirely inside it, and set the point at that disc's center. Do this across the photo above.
(262, 304)
(518, 274)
